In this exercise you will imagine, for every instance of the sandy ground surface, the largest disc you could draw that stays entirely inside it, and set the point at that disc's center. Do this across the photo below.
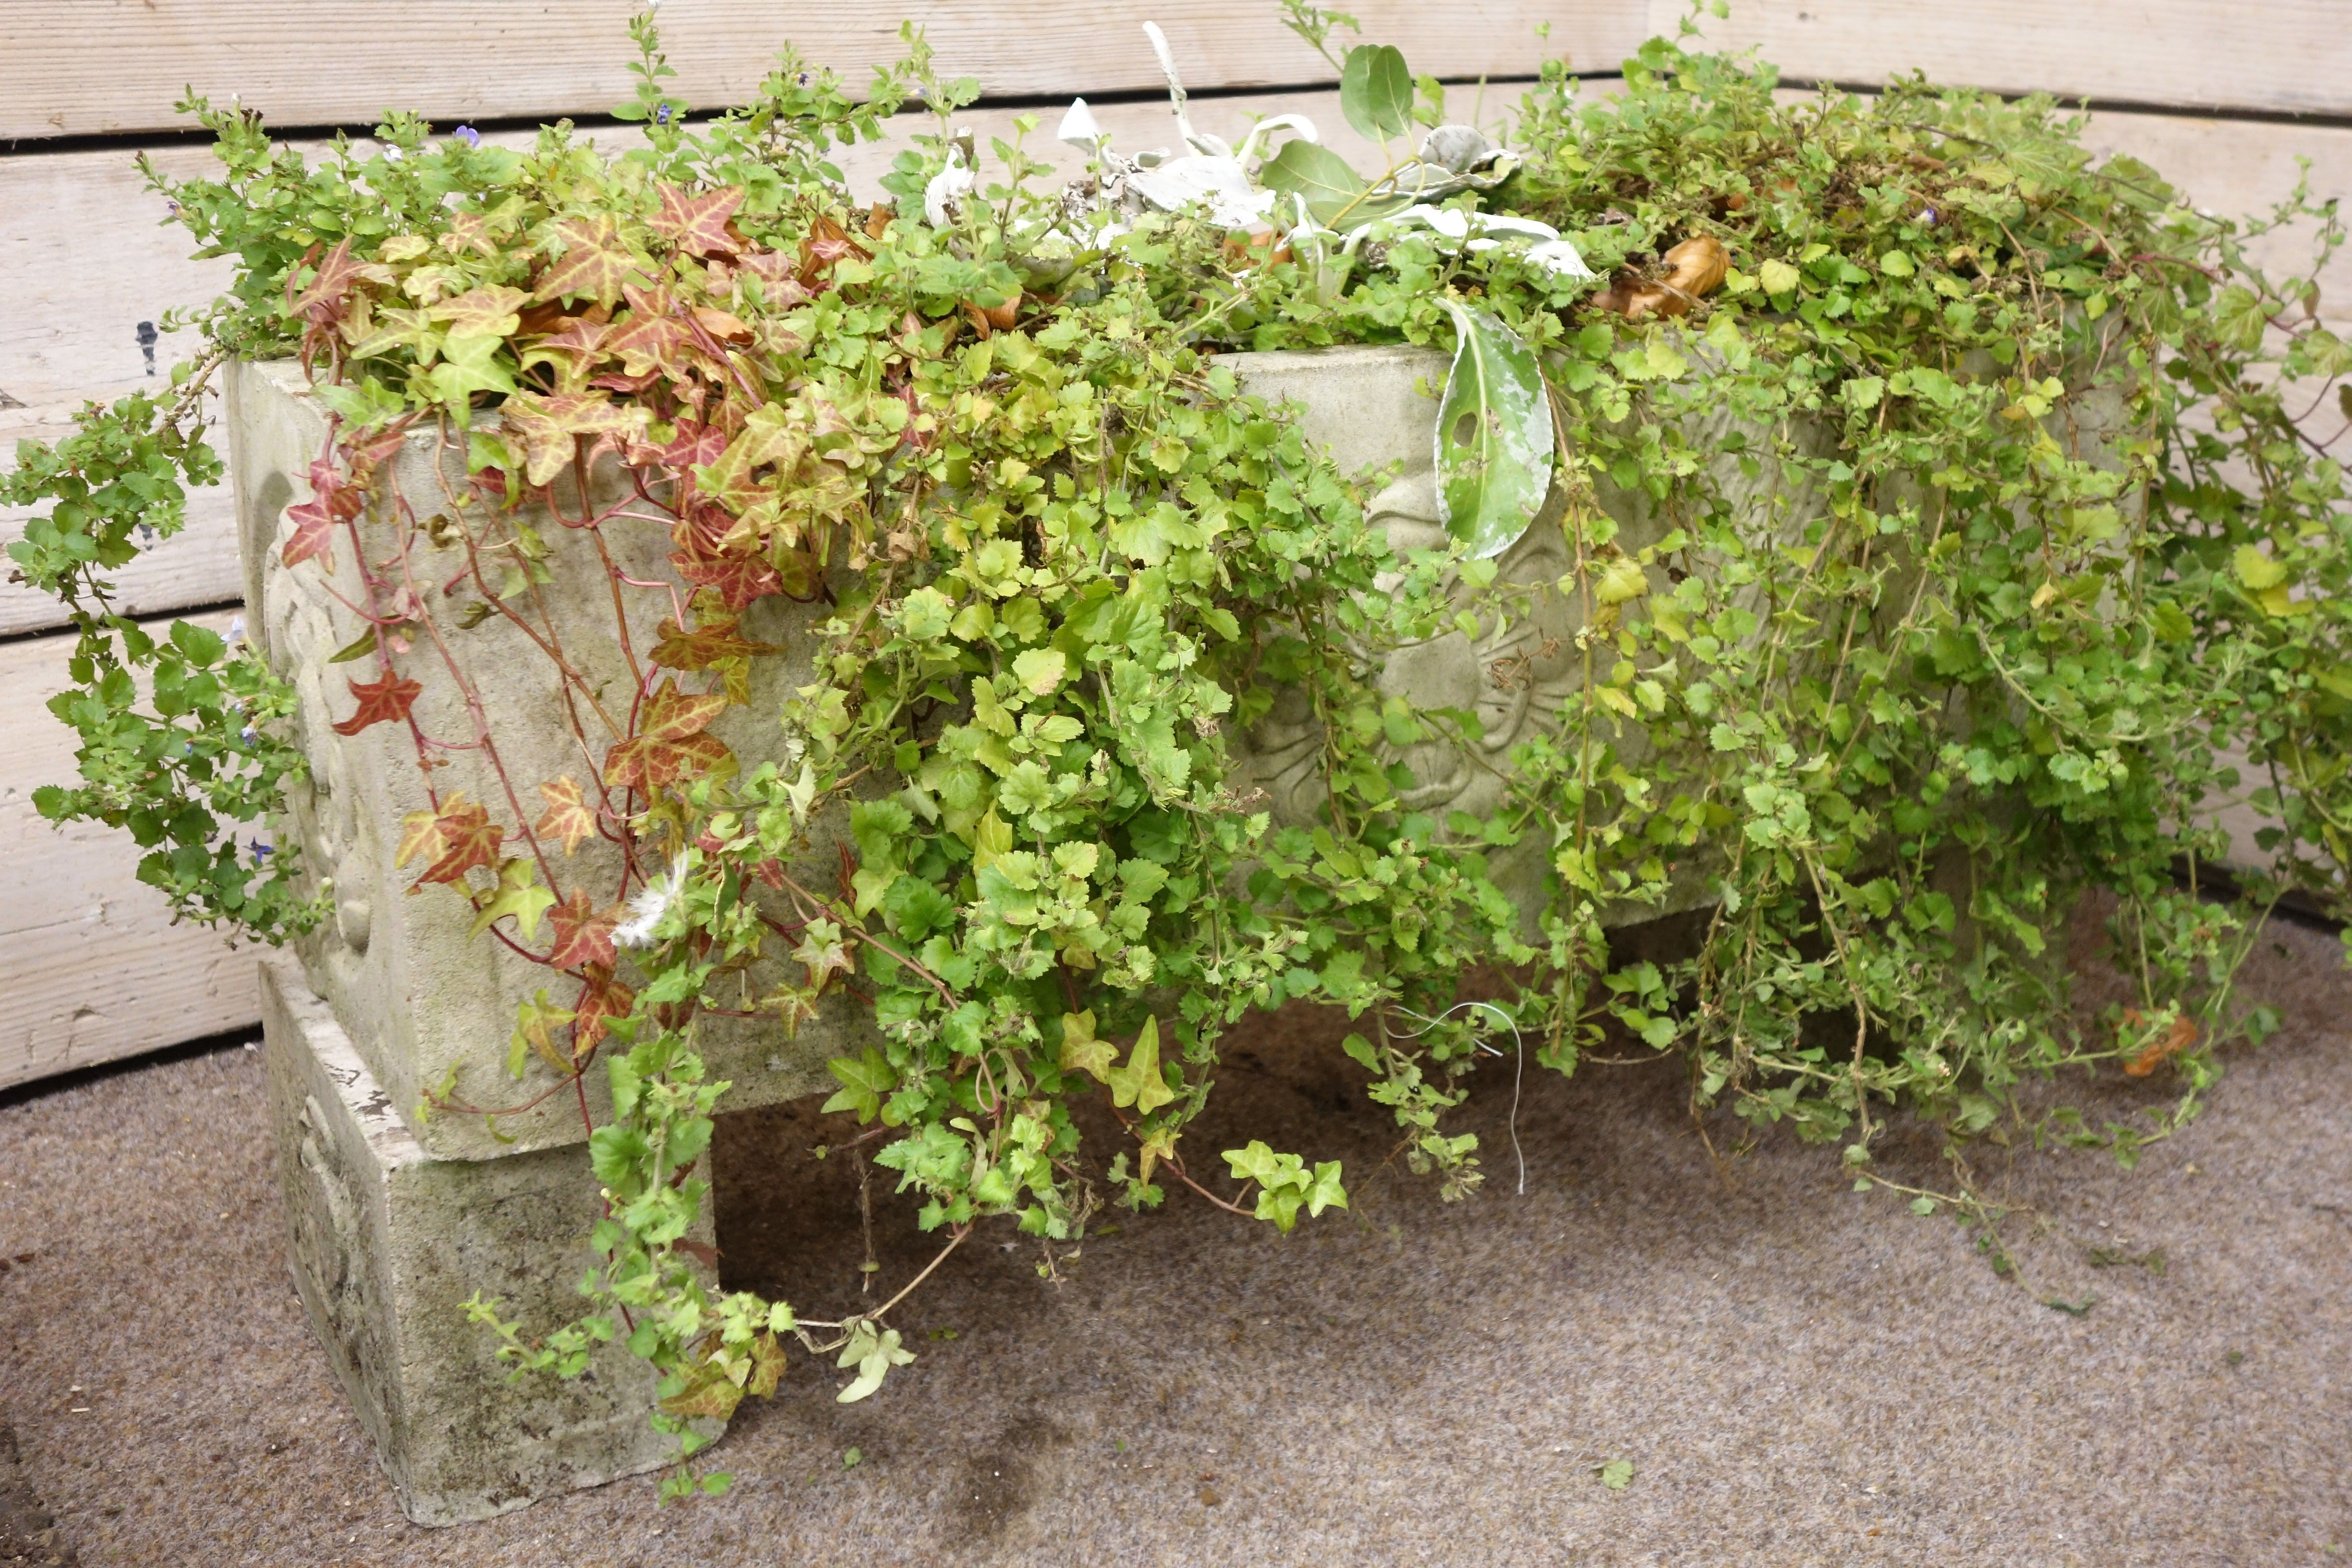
(1797, 1372)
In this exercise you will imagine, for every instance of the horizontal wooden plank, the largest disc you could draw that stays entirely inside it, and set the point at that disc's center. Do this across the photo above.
(84, 285)
(2280, 56)
(70, 68)
(94, 969)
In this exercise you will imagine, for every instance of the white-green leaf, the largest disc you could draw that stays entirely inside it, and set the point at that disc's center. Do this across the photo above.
(1376, 91)
(1494, 436)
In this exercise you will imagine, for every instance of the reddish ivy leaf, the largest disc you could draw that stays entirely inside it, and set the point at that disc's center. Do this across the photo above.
(714, 638)
(697, 225)
(384, 701)
(669, 744)
(328, 297)
(736, 579)
(658, 345)
(548, 426)
(460, 836)
(334, 500)
(582, 936)
(595, 261)
(491, 310)
(567, 818)
(601, 997)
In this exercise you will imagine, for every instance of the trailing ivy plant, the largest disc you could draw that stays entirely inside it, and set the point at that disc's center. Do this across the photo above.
(1894, 734)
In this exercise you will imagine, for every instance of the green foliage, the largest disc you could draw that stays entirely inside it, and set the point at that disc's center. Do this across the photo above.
(1948, 562)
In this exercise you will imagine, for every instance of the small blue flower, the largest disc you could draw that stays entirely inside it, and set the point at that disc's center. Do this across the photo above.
(260, 850)
(1929, 217)
(661, 115)
(248, 735)
(468, 135)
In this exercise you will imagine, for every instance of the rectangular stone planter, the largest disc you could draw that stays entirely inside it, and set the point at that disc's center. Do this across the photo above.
(394, 1219)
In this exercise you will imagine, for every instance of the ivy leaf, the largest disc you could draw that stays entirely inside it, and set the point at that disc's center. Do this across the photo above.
(460, 836)
(697, 225)
(1376, 91)
(334, 500)
(594, 264)
(324, 300)
(518, 894)
(668, 744)
(468, 366)
(2255, 570)
(824, 948)
(864, 1080)
(1139, 1082)
(1325, 1191)
(489, 312)
(536, 1022)
(1081, 1051)
(602, 997)
(548, 426)
(708, 1392)
(567, 816)
(1494, 436)
(582, 936)
(1617, 1475)
(714, 638)
(873, 1354)
(1778, 277)
(384, 701)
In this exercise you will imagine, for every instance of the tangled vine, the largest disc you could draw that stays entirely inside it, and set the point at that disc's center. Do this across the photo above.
(1994, 661)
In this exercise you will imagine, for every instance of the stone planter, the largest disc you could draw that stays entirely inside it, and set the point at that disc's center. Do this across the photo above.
(394, 1220)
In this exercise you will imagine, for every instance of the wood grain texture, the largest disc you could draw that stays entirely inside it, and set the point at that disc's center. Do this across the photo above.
(92, 967)
(2277, 56)
(72, 68)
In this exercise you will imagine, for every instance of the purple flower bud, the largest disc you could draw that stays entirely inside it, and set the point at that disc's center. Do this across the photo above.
(1929, 217)
(661, 115)
(468, 135)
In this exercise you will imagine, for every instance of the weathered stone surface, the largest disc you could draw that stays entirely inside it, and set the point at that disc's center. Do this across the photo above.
(419, 996)
(1369, 408)
(388, 1243)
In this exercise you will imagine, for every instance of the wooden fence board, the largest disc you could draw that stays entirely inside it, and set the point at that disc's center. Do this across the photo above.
(85, 67)
(2280, 56)
(92, 967)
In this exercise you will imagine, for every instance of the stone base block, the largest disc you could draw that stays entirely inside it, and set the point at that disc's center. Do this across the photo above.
(386, 1244)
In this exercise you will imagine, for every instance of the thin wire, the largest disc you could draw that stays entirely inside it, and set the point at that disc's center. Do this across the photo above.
(1519, 1074)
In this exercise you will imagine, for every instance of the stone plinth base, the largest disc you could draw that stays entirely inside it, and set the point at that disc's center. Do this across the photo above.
(387, 1244)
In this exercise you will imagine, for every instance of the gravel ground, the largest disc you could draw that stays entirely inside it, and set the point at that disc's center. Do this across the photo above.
(1797, 1372)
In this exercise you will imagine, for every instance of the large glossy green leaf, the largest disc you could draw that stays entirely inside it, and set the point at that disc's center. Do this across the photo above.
(1376, 91)
(1494, 436)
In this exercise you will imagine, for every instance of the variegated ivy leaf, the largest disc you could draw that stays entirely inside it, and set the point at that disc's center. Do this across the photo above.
(1494, 436)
